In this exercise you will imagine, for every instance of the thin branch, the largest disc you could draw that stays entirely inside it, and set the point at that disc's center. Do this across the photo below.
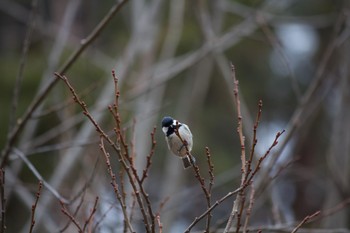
(34, 206)
(74, 214)
(39, 177)
(211, 183)
(3, 200)
(205, 213)
(149, 156)
(88, 221)
(238, 204)
(262, 158)
(19, 78)
(240, 123)
(255, 140)
(250, 207)
(87, 183)
(131, 170)
(115, 185)
(305, 220)
(101, 218)
(64, 104)
(159, 223)
(328, 212)
(71, 217)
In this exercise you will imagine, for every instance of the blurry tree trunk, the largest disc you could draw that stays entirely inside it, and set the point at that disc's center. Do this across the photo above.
(339, 156)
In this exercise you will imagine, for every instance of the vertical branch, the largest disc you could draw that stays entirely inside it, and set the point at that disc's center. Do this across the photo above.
(3, 200)
(115, 185)
(23, 59)
(134, 177)
(159, 224)
(211, 183)
(255, 141)
(149, 156)
(238, 204)
(239, 119)
(89, 219)
(116, 101)
(34, 206)
(249, 210)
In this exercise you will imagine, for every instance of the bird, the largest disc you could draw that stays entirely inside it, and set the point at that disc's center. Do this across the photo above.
(180, 147)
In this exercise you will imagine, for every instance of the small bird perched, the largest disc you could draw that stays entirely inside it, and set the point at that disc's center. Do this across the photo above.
(175, 145)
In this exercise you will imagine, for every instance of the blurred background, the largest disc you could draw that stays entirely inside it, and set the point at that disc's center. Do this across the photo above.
(173, 58)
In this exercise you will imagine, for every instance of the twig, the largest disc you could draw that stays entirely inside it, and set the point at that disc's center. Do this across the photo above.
(133, 140)
(39, 177)
(101, 219)
(257, 168)
(88, 221)
(74, 214)
(70, 216)
(211, 183)
(87, 183)
(3, 200)
(255, 140)
(247, 173)
(240, 123)
(305, 220)
(249, 210)
(328, 212)
(115, 185)
(34, 206)
(131, 170)
(205, 213)
(149, 156)
(162, 204)
(42, 95)
(62, 105)
(237, 206)
(19, 78)
(159, 223)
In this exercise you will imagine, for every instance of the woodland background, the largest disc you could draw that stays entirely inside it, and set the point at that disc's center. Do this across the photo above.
(173, 58)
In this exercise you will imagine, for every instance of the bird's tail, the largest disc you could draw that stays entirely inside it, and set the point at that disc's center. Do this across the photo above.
(187, 161)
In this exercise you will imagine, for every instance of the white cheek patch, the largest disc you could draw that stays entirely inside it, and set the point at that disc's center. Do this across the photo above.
(165, 129)
(175, 123)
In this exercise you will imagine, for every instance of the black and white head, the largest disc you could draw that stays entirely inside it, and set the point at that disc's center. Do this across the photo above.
(168, 125)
